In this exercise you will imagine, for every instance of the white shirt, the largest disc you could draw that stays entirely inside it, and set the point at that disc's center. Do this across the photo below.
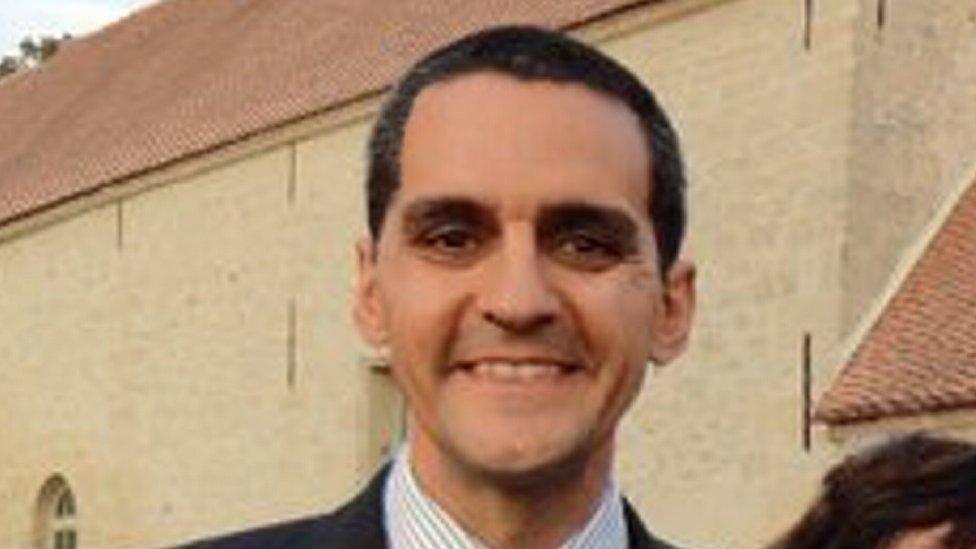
(414, 521)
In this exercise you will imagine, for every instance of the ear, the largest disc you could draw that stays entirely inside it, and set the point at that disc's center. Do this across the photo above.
(367, 303)
(670, 332)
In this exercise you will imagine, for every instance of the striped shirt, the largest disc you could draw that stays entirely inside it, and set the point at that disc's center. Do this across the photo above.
(414, 521)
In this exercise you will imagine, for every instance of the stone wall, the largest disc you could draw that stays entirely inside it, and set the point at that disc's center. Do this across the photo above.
(183, 357)
(713, 451)
(914, 136)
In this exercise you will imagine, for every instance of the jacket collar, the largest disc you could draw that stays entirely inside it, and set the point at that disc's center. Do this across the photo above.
(360, 522)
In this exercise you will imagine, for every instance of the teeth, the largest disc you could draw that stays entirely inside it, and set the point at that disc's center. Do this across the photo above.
(509, 371)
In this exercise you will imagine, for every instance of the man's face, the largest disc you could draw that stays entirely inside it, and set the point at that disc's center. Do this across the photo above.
(516, 280)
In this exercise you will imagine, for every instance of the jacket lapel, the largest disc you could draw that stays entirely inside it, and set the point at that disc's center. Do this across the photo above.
(360, 522)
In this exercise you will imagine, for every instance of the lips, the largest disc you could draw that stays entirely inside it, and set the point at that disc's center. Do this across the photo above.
(517, 370)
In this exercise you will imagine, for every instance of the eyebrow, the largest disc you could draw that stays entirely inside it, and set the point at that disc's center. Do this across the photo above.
(608, 222)
(425, 212)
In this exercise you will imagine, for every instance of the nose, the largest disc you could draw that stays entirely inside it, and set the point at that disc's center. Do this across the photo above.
(517, 296)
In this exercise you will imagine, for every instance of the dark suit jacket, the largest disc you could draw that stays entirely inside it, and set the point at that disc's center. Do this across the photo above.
(359, 525)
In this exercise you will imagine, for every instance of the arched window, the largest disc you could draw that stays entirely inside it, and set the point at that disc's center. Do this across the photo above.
(56, 516)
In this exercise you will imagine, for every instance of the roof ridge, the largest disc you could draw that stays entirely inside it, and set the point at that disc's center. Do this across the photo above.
(175, 78)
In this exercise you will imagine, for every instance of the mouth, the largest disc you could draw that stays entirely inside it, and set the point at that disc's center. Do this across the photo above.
(517, 370)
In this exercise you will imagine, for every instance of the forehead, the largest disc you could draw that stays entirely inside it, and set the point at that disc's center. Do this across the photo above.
(923, 538)
(491, 135)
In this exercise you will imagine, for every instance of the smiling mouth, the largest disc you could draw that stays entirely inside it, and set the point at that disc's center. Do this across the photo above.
(517, 370)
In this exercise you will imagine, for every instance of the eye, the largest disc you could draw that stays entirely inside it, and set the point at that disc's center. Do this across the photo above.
(449, 242)
(450, 239)
(580, 249)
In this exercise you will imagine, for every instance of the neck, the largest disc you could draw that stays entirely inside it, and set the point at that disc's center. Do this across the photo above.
(508, 511)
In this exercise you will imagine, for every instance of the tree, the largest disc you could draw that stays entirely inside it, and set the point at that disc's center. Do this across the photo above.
(33, 52)
(30, 52)
(49, 46)
(8, 65)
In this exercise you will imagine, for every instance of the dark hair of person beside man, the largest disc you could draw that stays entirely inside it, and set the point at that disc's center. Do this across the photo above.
(914, 492)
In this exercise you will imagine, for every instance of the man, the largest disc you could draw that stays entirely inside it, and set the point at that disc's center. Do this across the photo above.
(526, 208)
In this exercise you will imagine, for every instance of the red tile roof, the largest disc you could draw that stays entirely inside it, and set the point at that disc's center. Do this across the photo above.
(920, 355)
(186, 76)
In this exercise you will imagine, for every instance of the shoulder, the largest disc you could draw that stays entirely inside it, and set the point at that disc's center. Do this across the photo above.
(276, 536)
(358, 523)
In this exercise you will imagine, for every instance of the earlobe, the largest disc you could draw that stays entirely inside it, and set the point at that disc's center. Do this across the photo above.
(673, 325)
(367, 305)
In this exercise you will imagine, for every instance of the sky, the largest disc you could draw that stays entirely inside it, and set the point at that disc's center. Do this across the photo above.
(19, 18)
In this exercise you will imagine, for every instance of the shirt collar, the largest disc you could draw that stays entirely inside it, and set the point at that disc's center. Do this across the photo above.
(415, 521)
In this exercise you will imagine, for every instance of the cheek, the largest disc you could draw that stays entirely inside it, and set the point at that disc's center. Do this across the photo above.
(642, 304)
(416, 336)
(617, 313)
(421, 314)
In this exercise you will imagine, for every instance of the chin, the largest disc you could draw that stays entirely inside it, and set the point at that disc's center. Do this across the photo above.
(523, 462)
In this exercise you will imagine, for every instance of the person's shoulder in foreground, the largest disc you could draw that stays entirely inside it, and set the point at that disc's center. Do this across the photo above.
(521, 269)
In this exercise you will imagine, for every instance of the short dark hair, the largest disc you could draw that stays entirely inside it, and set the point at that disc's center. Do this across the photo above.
(916, 481)
(532, 54)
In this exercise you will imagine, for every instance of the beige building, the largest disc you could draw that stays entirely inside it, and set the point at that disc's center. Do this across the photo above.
(179, 193)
